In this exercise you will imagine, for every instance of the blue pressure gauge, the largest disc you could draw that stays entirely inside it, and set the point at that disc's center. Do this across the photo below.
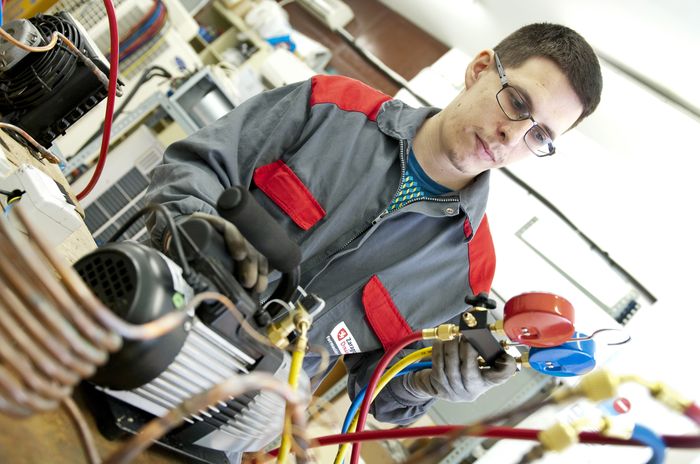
(575, 357)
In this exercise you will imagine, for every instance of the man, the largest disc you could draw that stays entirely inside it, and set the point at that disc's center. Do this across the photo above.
(387, 202)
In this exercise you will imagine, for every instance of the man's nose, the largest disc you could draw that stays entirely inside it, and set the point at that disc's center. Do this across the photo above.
(513, 132)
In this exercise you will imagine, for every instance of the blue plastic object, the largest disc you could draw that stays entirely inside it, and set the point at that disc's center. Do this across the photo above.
(647, 436)
(566, 360)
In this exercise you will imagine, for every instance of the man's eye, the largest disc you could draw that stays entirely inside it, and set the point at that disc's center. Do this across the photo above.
(540, 137)
(519, 105)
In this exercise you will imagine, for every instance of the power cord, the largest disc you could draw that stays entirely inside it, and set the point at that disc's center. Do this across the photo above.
(147, 75)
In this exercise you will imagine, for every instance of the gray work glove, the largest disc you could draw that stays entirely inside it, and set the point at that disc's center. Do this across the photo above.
(251, 265)
(455, 375)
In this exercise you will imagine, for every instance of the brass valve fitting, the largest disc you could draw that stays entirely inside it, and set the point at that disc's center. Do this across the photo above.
(443, 332)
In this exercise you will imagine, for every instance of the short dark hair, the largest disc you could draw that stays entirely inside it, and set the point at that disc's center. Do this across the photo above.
(565, 47)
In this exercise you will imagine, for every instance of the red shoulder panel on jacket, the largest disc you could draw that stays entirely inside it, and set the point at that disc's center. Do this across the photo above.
(288, 192)
(482, 259)
(348, 94)
(381, 313)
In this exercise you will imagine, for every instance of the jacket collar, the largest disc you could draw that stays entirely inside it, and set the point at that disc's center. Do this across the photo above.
(398, 120)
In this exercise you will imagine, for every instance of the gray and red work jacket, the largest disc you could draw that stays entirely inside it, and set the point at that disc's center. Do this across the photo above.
(325, 158)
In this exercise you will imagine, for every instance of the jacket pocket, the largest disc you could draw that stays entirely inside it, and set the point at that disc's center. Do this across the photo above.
(382, 314)
(288, 192)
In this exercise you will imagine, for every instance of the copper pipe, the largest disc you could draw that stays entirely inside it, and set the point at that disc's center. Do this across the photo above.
(44, 362)
(325, 359)
(13, 410)
(55, 37)
(86, 438)
(11, 388)
(82, 294)
(44, 48)
(28, 260)
(43, 309)
(18, 362)
(46, 154)
(234, 386)
(39, 332)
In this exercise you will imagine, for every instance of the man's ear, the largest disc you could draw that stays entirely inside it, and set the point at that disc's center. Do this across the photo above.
(481, 63)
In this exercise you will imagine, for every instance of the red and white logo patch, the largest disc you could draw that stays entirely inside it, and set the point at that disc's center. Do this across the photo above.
(342, 341)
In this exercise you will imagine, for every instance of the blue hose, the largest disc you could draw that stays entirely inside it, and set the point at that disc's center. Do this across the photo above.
(357, 402)
(648, 437)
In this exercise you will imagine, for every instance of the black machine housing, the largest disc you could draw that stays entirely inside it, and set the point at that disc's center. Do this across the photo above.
(45, 93)
(146, 378)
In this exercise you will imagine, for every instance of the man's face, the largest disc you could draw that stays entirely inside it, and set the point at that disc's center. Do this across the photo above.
(475, 133)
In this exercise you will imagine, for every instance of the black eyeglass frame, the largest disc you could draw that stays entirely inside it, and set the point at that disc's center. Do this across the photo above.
(504, 84)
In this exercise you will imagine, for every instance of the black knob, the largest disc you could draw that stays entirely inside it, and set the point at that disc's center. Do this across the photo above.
(481, 300)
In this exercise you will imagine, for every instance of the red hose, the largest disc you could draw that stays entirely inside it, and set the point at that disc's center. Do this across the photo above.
(372, 385)
(111, 97)
(693, 412)
(486, 431)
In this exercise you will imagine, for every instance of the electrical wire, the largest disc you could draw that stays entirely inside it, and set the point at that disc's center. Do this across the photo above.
(173, 228)
(111, 97)
(371, 386)
(147, 75)
(45, 154)
(145, 32)
(152, 28)
(139, 28)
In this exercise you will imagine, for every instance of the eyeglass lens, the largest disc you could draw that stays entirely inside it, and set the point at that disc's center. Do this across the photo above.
(516, 109)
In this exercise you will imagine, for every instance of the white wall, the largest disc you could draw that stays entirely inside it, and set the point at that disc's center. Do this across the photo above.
(628, 175)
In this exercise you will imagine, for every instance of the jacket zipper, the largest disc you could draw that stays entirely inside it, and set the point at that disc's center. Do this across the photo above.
(385, 213)
(402, 151)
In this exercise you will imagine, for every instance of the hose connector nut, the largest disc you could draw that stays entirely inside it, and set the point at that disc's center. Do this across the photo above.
(558, 437)
(443, 332)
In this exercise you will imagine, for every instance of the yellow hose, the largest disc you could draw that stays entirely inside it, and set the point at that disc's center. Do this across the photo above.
(294, 371)
(383, 381)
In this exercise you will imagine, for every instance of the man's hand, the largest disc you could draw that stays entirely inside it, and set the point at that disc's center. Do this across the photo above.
(251, 265)
(455, 375)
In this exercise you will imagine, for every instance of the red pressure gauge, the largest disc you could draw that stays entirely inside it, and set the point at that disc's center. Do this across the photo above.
(538, 319)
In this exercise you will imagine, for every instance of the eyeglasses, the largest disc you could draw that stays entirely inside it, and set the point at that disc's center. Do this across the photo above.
(515, 107)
